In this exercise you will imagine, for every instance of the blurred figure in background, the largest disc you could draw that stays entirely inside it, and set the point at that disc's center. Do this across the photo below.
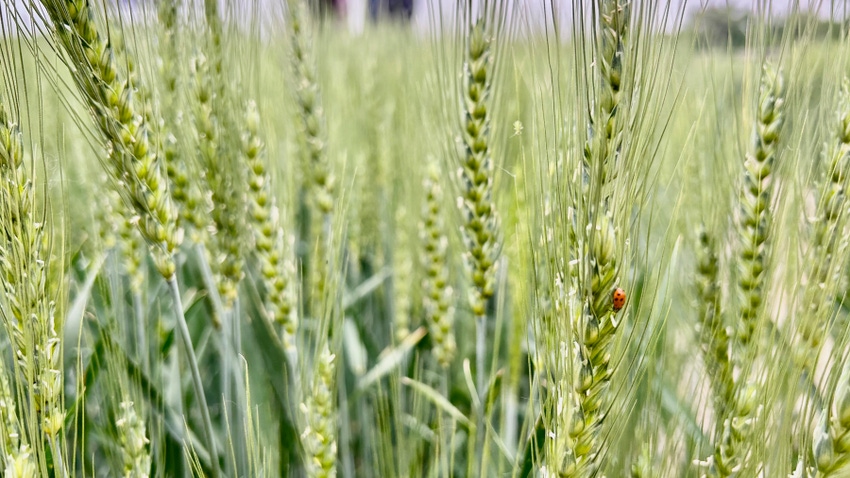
(330, 8)
(393, 9)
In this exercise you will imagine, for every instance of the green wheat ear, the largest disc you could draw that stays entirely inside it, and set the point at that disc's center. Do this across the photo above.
(713, 334)
(642, 466)
(403, 275)
(135, 163)
(317, 178)
(593, 242)
(828, 241)
(319, 411)
(181, 168)
(133, 441)
(831, 444)
(270, 243)
(614, 18)
(436, 290)
(311, 115)
(732, 450)
(481, 223)
(754, 220)
(131, 246)
(225, 178)
(12, 442)
(27, 309)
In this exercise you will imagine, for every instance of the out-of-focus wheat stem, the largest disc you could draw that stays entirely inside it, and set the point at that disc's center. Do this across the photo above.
(197, 382)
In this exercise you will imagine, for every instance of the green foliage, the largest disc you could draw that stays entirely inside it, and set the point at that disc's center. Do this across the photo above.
(349, 301)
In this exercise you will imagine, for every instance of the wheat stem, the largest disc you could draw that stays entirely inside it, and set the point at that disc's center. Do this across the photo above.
(197, 382)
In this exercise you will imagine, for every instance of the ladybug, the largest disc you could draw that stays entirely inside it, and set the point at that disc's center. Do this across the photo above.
(619, 298)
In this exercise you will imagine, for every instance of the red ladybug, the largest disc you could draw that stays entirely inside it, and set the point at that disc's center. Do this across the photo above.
(619, 298)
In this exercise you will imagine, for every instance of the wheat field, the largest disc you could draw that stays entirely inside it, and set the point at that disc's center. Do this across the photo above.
(576, 238)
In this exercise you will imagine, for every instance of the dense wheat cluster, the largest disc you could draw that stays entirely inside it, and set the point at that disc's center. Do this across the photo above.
(530, 239)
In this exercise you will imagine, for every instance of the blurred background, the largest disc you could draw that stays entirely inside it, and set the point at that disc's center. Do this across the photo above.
(723, 18)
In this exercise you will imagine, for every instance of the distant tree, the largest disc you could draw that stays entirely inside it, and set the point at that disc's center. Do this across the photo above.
(721, 27)
(808, 25)
(726, 27)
